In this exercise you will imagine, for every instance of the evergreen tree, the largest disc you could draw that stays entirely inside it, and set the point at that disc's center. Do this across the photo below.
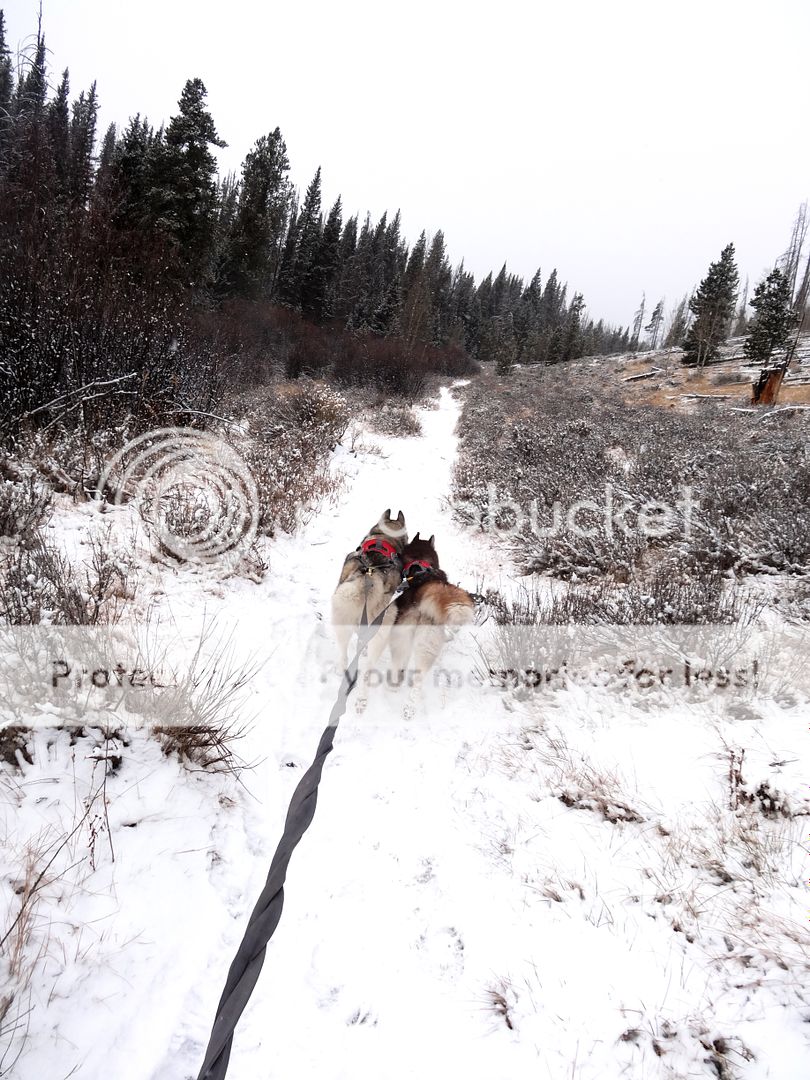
(439, 275)
(325, 265)
(105, 186)
(653, 327)
(638, 322)
(713, 307)
(774, 320)
(309, 241)
(29, 157)
(288, 287)
(340, 297)
(82, 143)
(465, 314)
(741, 322)
(58, 120)
(6, 74)
(572, 339)
(32, 89)
(183, 193)
(6, 95)
(130, 175)
(678, 324)
(416, 295)
(256, 227)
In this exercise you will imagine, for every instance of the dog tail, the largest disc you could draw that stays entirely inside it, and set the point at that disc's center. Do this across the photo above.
(460, 613)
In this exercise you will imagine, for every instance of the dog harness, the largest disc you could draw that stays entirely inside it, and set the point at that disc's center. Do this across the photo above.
(417, 567)
(378, 546)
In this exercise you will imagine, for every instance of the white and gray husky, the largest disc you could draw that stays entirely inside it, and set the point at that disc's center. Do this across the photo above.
(370, 576)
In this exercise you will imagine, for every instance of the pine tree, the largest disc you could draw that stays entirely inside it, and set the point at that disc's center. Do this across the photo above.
(572, 339)
(183, 191)
(653, 327)
(678, 324)
(58, 120)
(288, 285)
(325, 265)
(791, 260)
(255, 233)
(713, 307)
(130, 176)
(774, 320)
(741, 321)
(6, 96)
(6, 75)
(105, 182)
(82, 143)
(638, 322)
(340, 297)
(32, 89)
(309, 241)
(439, 278)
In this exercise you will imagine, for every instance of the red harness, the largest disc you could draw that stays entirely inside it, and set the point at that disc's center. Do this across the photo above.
(423, 565)
(379, 547)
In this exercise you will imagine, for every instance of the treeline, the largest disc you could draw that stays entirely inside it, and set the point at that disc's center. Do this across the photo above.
(718, 309)
(134, 280)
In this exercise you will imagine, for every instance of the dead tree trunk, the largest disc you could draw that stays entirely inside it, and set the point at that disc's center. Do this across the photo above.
(766, 388)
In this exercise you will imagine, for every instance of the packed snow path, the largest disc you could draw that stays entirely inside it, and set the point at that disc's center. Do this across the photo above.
(368, 947)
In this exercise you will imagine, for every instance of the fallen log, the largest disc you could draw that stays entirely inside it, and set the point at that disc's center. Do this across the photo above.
(644, 375)
(710, 397)
(784, 409)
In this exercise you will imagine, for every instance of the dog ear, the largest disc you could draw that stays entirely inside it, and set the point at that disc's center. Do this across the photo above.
(416, 537)
(387, 513)
(430, 541)
(401, 518)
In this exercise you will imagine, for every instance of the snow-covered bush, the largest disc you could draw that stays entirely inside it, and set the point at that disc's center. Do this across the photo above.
(736, 493)
(292, 429)
(24, 506)
(39, 584)
(395, 420)
(662, 598)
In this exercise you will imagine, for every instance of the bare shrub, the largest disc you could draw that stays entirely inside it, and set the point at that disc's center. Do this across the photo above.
(24, 506)
(292, 430)
(662, 599)
(576, 782)
(794, 599)
(726, 378)
(501, 1000)
(764, 795)
(546, 446)
(194, 714)
(38, 583)
(394, 420)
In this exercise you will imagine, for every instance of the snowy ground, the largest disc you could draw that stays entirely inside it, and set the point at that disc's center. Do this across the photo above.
(567, 883)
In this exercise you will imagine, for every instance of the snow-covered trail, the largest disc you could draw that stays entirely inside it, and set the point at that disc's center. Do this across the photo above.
(368, 945)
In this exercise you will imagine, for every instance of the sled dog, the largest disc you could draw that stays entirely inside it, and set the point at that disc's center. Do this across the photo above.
(370, 575)
(427, 612)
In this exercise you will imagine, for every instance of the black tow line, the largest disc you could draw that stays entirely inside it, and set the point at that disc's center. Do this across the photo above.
(246, 965)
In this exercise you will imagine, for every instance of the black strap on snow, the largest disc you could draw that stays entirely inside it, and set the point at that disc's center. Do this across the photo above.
(246, 965)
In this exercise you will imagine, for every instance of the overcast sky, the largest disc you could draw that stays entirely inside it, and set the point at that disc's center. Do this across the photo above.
(623, 141)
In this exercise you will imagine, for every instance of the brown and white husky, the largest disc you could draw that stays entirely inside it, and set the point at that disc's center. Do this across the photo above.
(370, 575)
(427, 612)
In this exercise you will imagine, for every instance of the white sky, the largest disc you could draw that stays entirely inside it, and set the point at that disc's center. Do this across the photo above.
(623, 141)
